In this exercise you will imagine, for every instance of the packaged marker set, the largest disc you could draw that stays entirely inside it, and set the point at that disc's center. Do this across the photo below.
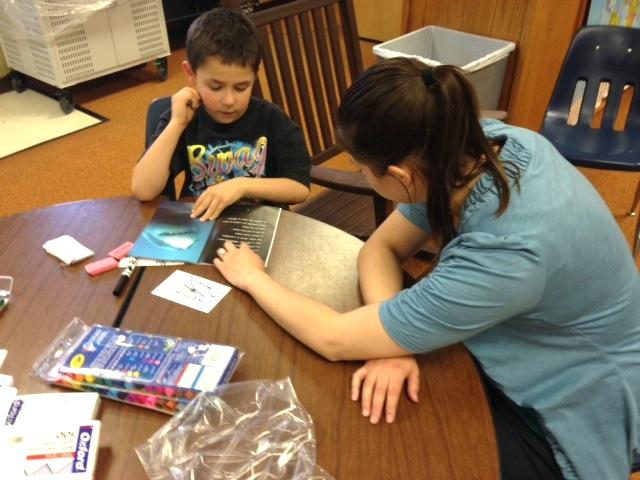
(152, 371)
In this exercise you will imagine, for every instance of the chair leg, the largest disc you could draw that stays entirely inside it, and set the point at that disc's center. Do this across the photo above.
(636, 200)
(381, 209)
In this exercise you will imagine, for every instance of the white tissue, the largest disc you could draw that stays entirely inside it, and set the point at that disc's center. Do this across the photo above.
(67, 249)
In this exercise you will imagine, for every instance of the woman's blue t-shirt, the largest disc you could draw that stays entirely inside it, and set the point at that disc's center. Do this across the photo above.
(547, 298)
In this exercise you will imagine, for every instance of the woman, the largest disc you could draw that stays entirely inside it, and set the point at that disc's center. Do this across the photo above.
(533, 275)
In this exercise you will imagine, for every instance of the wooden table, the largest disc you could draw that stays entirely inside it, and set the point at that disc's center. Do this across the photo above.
(448, 435)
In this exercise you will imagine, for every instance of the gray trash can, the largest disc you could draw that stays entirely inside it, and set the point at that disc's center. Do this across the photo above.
(484, 59)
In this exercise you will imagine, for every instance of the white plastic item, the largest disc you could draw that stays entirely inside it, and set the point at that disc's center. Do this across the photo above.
(65, 42)
(484, 59)
(60, 14)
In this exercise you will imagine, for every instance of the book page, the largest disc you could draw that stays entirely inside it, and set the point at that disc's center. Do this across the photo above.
(251, 224)
(173, 236)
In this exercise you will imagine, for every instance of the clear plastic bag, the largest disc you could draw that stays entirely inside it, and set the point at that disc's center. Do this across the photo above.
(244, 430)
(24, 16)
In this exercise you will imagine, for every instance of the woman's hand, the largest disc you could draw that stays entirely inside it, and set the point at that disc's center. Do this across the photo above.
(239, 265)
(379, 383)
(216, 198)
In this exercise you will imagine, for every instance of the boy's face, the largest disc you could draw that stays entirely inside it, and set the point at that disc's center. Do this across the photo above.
(225, 90)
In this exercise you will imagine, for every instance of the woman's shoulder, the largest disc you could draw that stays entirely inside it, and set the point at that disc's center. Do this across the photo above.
(493, 128)
(491, 244)
(518, 143)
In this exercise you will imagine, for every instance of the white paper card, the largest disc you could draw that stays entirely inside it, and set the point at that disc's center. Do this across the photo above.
(60, 452)
(67, 249)
(5, 380)
(191, 291)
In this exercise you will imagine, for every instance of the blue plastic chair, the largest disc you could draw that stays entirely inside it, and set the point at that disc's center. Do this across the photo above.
(599, 54)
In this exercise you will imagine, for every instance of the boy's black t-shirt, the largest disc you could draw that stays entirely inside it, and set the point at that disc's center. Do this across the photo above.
(264, 142)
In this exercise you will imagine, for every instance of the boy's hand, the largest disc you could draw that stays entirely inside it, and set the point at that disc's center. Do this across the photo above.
(238, 265)
(381, 384)
(184, 105)
(216, 198)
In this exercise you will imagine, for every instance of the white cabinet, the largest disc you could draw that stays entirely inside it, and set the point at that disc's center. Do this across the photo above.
(63, 50)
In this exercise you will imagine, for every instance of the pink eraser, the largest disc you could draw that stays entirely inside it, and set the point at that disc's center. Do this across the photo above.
(101, 266)
(122, 251)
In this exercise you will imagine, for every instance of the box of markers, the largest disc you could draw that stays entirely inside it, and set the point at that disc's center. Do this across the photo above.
(153, 371)
(162, 403)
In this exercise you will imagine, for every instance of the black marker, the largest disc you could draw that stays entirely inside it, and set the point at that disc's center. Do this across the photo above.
(126, 275)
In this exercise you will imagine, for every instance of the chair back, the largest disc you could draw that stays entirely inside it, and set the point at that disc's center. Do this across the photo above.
(598, 131)
(156, 108)
(311, 55)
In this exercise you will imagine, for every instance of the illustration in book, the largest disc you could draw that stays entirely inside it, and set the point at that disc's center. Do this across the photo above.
(172, 235)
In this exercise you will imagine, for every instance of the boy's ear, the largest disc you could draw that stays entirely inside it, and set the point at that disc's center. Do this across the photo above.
(189, 73)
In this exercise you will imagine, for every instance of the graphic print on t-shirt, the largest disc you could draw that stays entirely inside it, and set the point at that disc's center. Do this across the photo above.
(213, 164)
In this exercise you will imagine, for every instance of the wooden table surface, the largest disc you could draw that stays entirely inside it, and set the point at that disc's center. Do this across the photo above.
(448, 435)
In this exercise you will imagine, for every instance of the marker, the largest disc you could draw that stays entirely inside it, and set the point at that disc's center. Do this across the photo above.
(6, 284)
(126, 275)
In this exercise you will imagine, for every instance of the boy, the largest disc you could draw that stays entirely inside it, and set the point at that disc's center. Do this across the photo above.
(230, 145)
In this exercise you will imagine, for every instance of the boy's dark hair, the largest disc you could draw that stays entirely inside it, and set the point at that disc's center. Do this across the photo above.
(399, 107)
(226, 34)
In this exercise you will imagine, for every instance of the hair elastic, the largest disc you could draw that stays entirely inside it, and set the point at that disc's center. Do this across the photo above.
(427, 76)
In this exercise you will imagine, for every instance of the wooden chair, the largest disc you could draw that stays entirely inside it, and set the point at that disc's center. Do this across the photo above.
(311, 55)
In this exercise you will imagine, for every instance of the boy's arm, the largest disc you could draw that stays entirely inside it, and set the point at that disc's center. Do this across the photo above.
(152, 171)
(276, 190)
(216, 198)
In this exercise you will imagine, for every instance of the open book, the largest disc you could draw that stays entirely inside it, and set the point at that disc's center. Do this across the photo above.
(172, 235)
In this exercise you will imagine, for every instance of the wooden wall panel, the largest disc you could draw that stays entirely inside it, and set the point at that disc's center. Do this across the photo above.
(501, 19)
(541, 29)
(549, 30)
(381, 20)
